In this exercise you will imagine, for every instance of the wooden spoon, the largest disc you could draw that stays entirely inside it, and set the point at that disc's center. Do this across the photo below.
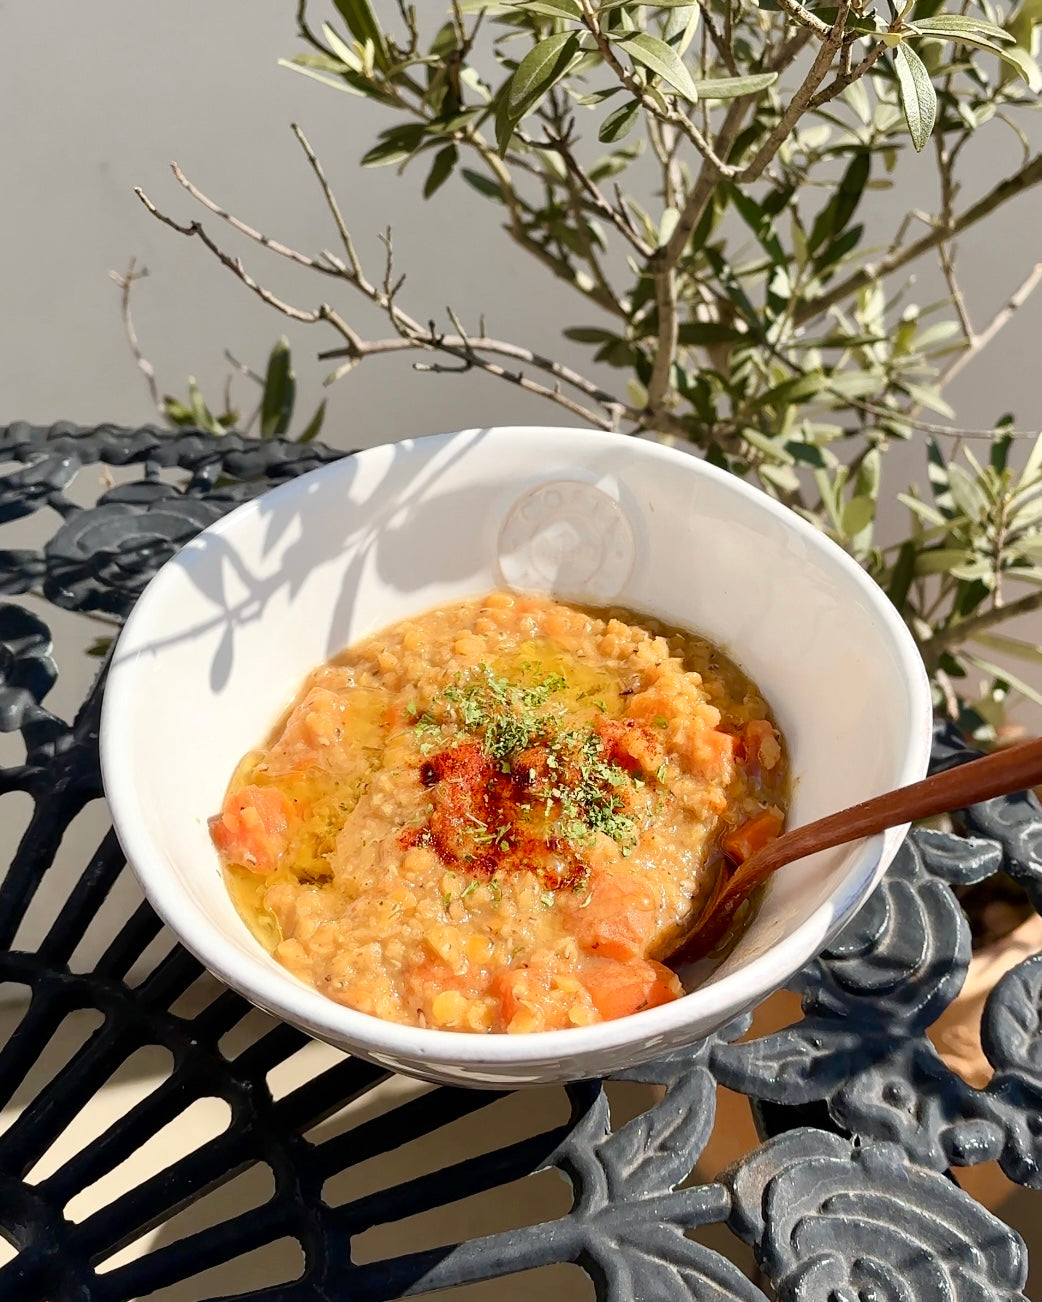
(1014, 769)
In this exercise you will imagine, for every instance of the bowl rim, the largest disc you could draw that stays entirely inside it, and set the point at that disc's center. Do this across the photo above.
(292, 1000)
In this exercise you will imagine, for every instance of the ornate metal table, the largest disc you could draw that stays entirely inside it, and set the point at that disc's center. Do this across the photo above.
(849, 1198)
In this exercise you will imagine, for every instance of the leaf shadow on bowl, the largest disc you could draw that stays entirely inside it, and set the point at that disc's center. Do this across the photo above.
(302, 526)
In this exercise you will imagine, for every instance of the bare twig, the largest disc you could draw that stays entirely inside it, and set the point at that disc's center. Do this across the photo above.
(586, 238)
(243, 368)
(945, 250)
(672, 172)
(723, 40)
(951, 701)
(798, 104)
(624, 212)
(947, 258)
(274, 245)
(665, 274)
(707, 178)
(471, 353)
(847, 75)
(967, 629)
(786, 51)
(353, 263)
(331, 202)
(472, 138)
(516, 225)
(234, 265)
(663, 265)
(978, 342)
(126, 283)
(805, 18)
(1027, 176)
(679, 120)
(913, 215)
(663, 147)
(618, 219)
(929, 427)
(304, 30)
(523, 382)
(462, 342)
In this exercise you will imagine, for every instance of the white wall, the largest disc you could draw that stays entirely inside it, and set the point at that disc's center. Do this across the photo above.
(98, 98)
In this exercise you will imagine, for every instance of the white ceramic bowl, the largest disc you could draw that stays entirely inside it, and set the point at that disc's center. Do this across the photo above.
(224, 635)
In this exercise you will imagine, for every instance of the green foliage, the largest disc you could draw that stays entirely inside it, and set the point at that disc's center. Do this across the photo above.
(273, 414)
(740, 294)
(918, 97)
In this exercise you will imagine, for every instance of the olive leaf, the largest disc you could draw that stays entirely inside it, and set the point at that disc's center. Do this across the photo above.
(395, 145)
(362, 24)
(445, 161)
(929, 514)
(1007, 676)
(858, 514)
(551, 8)
(943, 560)
(902, 574)
(722, 88)
(961, 27)
(918, 97)
(660, 59)
(543, 66)
(341, 49)
(483, 184)
(681, 27)
(313, 427)
(1012, 646)
(303, 63)
(280, 392)
(982, 36)
(1025, 65)
(196, 414)
(619, 123)
(760, 223)
(835, 216)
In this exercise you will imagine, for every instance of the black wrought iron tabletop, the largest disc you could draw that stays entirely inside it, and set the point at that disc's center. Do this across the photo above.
(226, 1132)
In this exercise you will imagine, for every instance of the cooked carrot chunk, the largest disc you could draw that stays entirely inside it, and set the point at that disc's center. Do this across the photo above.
(620, 919)
(760, 743)
(252, 828)
(753, 835)
(619, 989)
(509, 986)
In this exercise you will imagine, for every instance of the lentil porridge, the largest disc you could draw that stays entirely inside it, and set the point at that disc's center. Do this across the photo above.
(494, 816)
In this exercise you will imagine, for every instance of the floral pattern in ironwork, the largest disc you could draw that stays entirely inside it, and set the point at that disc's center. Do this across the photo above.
(857, 1209)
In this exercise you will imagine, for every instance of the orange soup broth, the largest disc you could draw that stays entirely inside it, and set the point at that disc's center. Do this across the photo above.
(498, 815)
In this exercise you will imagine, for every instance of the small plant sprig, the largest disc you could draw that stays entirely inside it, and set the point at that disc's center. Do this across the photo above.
(273, 413)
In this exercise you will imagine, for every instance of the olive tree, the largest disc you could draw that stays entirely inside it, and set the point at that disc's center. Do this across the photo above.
(738, 297)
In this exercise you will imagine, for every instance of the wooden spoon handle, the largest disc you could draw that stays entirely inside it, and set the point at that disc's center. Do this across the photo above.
(1014, 769)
